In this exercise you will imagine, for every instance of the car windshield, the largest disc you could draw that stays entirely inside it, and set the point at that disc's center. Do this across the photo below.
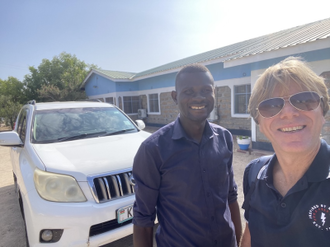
(58, 125)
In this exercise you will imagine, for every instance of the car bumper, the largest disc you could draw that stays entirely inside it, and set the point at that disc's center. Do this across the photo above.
(75, 219)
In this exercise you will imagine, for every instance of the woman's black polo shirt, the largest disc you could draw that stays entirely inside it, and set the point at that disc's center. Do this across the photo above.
(300, 218)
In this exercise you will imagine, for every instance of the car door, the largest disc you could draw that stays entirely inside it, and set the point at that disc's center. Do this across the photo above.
(21, 130)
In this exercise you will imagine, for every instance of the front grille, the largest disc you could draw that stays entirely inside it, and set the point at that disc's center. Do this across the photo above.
(111, 186)
(106, 226)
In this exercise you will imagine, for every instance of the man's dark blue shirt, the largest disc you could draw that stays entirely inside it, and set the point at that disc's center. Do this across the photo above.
(191, 185)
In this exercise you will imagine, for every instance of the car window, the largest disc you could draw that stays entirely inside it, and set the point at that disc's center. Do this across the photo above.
(55, 124)
(21, 128)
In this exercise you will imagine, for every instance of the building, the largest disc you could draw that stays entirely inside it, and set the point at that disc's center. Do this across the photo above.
(235, 68)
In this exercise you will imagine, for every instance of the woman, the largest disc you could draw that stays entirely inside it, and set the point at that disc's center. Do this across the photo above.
(289, 202)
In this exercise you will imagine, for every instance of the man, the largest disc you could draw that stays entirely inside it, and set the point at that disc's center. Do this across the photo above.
(183, 173)
(287, 202)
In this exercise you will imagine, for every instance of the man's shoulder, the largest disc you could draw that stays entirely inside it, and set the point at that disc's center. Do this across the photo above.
(217, 126)
(163, 132)
(219, 129)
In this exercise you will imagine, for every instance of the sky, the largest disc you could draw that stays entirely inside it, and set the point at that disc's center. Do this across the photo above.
(137, 35)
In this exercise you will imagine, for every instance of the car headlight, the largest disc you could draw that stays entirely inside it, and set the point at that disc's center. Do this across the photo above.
(57, 187)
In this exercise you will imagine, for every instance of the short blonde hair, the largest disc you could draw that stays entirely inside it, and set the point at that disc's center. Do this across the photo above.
(290, 70)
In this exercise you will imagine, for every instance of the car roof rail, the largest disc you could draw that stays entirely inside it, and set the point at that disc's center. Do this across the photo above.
(32, 102)
(94, 100)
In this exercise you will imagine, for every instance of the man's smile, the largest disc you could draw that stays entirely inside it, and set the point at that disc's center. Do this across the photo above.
(292, 129)
(197, 107)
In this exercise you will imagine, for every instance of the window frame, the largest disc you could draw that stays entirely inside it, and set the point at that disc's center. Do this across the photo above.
(112, 100)
(232, 86)
(157, 103)
(247, 95)
(132, 109)
(22, 124)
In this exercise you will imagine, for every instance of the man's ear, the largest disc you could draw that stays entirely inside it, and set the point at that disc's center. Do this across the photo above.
(173, 94)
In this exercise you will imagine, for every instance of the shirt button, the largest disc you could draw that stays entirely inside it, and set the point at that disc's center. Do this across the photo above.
(204, 170)
(283, 205)
(212, 217)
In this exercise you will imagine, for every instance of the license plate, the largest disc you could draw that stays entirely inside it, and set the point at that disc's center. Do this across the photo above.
(124, 214)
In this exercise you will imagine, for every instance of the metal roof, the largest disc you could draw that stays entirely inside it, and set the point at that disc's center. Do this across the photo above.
(290, 37)
(115, 74)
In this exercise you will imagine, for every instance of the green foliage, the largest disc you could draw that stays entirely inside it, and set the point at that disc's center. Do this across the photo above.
(243, 137)
(58, 79)
(13, 88)
(9, 109)
(55, 80)
(53, 93)
(12, 96)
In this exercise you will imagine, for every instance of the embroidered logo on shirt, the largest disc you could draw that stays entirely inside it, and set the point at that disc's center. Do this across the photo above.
(320, 216)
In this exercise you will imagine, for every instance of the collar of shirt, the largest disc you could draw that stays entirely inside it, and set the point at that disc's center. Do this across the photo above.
(318, 171)
(179, 132)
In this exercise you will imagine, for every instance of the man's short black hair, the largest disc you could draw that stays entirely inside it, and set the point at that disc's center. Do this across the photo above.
(192, 68)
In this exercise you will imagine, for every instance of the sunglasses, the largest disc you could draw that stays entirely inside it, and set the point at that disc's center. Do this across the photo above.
(303, 101)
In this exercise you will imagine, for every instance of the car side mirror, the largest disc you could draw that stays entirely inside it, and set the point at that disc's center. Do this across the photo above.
(140, 124)
(10, 138)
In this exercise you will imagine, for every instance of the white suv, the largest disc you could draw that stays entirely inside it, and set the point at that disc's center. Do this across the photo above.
(72, 165)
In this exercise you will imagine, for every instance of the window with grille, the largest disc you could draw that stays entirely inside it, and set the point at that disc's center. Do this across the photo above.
(109, 100)
(153, 103)
(131, 104)
(242, 95)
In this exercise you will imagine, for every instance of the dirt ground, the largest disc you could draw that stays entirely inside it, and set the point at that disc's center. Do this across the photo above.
(11, 223)
(12, 232)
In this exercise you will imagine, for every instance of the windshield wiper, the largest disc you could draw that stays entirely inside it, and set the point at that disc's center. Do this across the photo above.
(117, 132)
(81, 136)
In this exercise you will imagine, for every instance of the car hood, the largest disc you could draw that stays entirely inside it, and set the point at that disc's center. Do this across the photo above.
(92, 156)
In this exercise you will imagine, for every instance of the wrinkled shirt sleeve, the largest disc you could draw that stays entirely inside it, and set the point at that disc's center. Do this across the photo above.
(246, 188)
(232, 194)
(147, 181)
